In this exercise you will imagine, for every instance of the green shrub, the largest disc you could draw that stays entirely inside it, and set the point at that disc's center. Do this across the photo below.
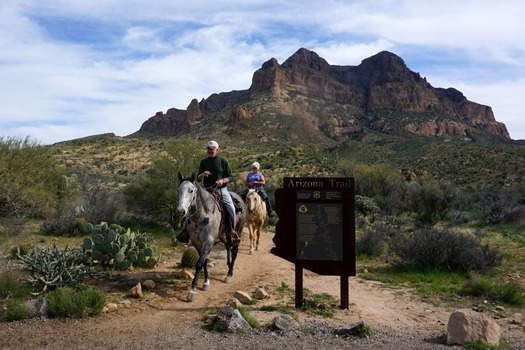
(374, 240)
(249, 318)
(435, 249)
(13, 310)
(66, 302)
(431, 201)
(54, 267)
(509, 293)
(11, 285)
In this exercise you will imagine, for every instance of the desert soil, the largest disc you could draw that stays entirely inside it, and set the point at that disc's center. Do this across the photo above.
(164, 319)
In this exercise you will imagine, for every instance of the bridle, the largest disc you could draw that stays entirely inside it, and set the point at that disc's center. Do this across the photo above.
(187, 214)
(258, 208)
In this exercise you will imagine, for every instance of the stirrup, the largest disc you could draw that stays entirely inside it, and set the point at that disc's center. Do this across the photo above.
(234, 237)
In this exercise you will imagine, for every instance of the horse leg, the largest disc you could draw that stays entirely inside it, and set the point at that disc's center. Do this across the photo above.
(251, 230)
(201, 263)
(206, 284)
(259, 228)
(231, 262)
(229, 249)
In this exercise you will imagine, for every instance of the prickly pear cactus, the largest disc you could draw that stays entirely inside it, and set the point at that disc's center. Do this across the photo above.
(112, 246)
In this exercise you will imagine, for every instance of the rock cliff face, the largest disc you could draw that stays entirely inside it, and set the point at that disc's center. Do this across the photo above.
(380, 94)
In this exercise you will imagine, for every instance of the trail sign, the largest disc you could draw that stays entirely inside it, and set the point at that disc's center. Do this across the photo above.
(316, 228)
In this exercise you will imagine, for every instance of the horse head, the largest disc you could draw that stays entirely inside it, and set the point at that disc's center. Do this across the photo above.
(186, 193)
(253, 200)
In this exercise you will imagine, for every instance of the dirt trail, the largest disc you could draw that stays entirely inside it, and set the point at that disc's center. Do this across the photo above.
(166, 312)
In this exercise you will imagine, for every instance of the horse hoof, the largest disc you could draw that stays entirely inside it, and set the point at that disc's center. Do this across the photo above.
(228, 279)
(251, 252)
(191, 295)
(205, 286)
(257, 249)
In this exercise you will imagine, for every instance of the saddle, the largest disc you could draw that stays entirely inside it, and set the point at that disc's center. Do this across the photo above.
(217, 196)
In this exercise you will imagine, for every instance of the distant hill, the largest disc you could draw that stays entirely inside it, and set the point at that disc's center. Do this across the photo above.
(305, 99)
(304, 117)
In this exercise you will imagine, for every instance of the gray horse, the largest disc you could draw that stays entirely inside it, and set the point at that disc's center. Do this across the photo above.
(206, 224)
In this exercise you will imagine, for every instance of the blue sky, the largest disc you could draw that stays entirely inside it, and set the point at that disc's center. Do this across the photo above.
(71, 69)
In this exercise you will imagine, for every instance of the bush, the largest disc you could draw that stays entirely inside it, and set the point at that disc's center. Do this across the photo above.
(374, 241)
(54, 267)
(501, 205)
(431, 201)
(66, 302)
(14, 310)
(12, 294)
(367, 207)
(432, 248)
(11, 285)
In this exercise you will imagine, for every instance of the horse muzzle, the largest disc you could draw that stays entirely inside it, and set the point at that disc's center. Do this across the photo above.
(181, 212)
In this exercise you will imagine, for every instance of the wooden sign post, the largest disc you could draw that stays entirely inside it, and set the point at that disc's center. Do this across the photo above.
(316, 229)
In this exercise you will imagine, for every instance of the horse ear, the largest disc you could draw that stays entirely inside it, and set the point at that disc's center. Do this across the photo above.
(179, 176)
(192, 177)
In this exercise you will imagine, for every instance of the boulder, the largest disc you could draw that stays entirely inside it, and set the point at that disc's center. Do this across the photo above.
(243, 297)
(286, 323)
(231, 320)
(465, 325)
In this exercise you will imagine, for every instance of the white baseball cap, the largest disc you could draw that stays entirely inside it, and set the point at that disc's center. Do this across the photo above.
(212, 144)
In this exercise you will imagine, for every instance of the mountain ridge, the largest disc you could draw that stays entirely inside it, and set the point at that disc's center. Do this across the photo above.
(332, 103)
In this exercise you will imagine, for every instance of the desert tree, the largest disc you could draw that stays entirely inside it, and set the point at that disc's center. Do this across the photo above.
(155, 194)
(32, 179)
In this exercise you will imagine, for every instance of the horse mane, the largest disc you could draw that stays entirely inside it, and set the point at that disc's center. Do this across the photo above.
(205, 198)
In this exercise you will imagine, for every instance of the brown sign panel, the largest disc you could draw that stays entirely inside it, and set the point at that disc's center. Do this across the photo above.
(316, 226)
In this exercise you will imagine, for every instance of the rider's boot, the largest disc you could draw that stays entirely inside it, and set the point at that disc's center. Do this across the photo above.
(269, 207)
(230, 231)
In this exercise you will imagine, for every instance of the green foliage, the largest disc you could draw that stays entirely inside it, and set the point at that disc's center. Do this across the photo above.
(374, 241)
(480, 345)
(113, 246)
(54, 267)
(367, 207)
(156, 193)
(426, 281)
(249, 318)
(11, 285)
(509, 293)
(432, 248)
(502, 205)
(431, 201)
(13, 310)
(69, 303)
(31, 179)
(365, 331)
(319, 304)
(12, 295)
(378, 185)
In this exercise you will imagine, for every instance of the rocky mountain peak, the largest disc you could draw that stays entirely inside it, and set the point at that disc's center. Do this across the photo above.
(381, 94)
(306, 59)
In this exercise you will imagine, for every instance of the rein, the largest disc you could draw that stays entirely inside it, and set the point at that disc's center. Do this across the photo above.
(193, 200)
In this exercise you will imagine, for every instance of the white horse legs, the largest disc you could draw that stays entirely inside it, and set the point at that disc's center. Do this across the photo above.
(206, 285)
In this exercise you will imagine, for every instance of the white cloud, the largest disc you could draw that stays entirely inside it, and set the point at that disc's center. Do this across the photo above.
(76, 68)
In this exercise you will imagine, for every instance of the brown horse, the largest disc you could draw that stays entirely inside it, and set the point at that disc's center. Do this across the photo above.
(255, 216)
